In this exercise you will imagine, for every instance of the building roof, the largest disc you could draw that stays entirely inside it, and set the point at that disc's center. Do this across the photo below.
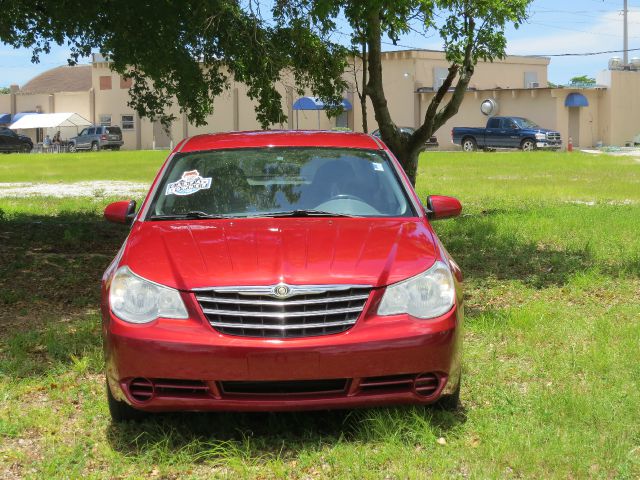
(60, 79)
(274, 138)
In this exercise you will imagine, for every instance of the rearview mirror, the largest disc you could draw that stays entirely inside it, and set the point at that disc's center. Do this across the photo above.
(439, 207)
(121, 212)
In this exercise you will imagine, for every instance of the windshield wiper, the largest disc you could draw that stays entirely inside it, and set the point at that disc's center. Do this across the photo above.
(303, 213)
(195, 214)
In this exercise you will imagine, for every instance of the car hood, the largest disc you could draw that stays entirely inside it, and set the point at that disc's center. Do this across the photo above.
(541, 130)
(267, 251)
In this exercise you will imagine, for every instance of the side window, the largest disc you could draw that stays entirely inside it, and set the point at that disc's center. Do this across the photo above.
(493, 123)
(84, 132)
(91, 131)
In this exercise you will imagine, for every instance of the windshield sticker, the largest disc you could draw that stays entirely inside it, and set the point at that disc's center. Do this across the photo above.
(190, 183)
(378, 167)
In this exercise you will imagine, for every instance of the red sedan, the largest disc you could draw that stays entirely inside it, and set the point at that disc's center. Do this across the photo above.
(281, 271)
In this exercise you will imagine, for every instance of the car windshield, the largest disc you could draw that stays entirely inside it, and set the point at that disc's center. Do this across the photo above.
(525, 123)
(114, 130)
(279, 181)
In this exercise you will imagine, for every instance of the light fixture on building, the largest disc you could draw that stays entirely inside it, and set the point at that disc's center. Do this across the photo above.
(489, 107)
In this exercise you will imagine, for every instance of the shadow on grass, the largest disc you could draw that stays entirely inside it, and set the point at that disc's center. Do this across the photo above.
(256, 437)
(51, 266)
(482, 252)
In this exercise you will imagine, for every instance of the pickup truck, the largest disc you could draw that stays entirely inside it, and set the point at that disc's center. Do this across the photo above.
(506, 132)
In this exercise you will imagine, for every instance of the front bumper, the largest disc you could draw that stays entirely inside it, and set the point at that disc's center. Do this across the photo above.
(548, 145)
(381, 361)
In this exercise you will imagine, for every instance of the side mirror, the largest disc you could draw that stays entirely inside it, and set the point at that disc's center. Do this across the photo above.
(121, 212)
(439, 207)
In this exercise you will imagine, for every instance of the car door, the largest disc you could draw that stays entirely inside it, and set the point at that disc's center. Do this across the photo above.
(83, 138)
(11, 141)
(492, 136)
(3, 143)
(511, 135)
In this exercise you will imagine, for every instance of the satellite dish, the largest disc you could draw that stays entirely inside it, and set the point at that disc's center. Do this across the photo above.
(489, 107)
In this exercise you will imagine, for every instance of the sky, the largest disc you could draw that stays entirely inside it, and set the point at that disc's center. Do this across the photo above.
(554, 27)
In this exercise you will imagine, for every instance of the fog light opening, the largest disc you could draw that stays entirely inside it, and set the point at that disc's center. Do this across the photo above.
(426, 384)
(142, 389)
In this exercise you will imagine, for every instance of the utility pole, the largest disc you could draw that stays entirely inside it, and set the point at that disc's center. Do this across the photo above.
(626, 33)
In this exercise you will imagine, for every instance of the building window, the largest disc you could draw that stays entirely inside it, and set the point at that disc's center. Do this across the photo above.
(105, 82)
(531, 80)
(125, 83)
(127, 122)
(105, 120)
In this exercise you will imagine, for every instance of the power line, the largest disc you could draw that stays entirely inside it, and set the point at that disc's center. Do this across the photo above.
(585, 54)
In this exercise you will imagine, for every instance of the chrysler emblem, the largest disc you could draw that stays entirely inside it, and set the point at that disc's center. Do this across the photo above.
(281, 291)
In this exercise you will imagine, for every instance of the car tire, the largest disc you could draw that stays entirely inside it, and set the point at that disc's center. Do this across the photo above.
(528, 145)
(451, 401)
(26, 149)
(121, 411)
(95, 147)
(115, 149)
(72, 148)
(469, 144)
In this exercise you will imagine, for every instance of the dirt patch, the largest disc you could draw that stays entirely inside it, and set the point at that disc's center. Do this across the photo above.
(98, 188)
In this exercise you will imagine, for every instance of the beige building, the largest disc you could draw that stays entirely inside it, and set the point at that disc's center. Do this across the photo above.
(518, 84)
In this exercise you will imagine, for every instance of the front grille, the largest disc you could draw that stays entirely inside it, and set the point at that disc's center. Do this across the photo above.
(306, 311)
(291, 387)
(553, 136)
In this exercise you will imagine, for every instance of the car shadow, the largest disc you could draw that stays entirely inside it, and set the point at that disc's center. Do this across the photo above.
(256, 435)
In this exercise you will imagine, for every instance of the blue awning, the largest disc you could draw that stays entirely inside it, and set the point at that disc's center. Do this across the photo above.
(576, 100)
(312, 103)
(5, 118)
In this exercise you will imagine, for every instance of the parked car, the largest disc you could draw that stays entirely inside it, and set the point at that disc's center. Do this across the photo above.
(281, 271)
(10, 141)
(431, 143)
(97, 138)
(506, 132)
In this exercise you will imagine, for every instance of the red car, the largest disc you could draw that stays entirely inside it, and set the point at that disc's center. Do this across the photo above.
(281, 271)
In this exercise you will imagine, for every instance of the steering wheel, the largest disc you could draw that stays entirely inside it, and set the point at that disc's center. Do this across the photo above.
(347, 196)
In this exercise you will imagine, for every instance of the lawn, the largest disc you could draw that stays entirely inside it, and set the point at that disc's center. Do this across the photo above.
(550, 247)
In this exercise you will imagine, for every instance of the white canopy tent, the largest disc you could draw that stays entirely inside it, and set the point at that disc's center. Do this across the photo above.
(50, 120)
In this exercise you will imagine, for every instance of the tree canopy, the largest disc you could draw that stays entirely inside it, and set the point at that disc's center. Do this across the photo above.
(189, 51)
(582, 80)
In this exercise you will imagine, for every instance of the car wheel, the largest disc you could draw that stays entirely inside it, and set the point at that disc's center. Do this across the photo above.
(115, 149)
(72, 148)
(121, 411)
(469, 145)
(528, 145)
(95, 147)
(451, 401)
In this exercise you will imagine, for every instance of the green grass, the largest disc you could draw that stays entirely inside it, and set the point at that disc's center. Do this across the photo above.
(134, 165)
(550, 248)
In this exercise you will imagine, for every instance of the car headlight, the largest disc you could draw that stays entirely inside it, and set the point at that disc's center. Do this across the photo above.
(136, 300)
(427, 295)
(541, 136)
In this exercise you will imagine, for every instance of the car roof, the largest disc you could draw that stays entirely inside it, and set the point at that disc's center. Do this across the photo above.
(278, 138)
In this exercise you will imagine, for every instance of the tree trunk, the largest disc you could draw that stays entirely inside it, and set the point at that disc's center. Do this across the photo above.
(409, 161)
(363, 95)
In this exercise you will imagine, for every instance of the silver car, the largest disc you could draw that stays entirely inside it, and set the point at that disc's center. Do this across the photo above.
(97, 138)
